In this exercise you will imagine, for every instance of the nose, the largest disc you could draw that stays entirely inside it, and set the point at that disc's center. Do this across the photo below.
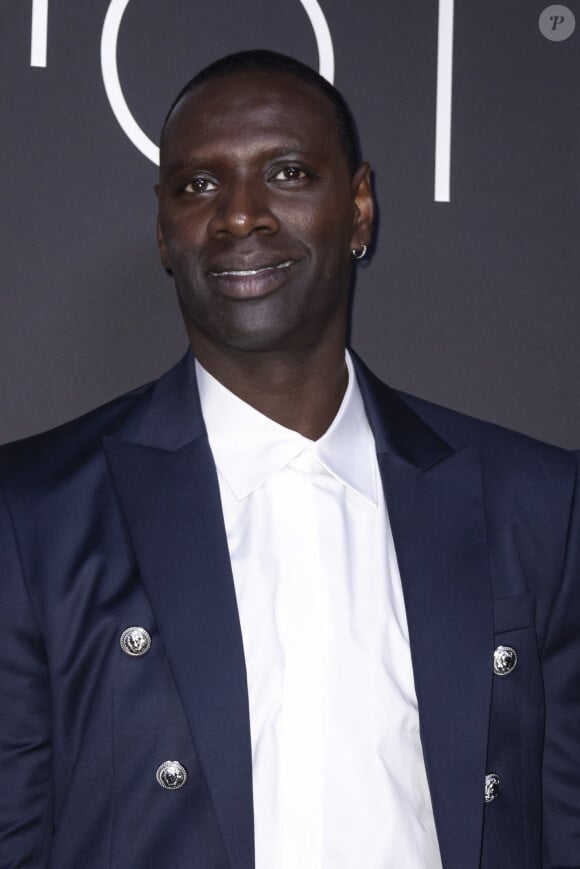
(242, 209)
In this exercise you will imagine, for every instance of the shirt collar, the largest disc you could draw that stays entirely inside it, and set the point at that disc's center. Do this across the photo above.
(249, 447)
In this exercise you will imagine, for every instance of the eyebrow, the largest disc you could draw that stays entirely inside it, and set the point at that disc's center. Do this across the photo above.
(287, 150)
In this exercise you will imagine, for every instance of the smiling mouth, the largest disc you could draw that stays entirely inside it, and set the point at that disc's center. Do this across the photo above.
(250, 273)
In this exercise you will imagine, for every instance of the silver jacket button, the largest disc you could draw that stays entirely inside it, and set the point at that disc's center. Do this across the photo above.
(492, 787)
(504, 660)
(171, 775)
(135, 641)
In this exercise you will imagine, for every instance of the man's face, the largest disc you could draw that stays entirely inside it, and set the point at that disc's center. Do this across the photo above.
(258, 214)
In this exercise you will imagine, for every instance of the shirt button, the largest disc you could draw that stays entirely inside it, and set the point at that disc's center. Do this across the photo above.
(171, 775)
(492, 787)
(504, 660)
(135, 641)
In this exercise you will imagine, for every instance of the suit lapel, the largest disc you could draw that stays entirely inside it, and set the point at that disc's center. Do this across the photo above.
(167, 486)
(435, 504)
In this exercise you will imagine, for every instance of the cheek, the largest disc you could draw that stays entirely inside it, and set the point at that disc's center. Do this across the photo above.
(330, 225)
(183, 232)
(183, 252)
(332, 244)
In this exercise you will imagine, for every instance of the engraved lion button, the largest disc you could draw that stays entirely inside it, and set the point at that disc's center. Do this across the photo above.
(135, 641)
(492, 787)
(504, 660)
(171, 775)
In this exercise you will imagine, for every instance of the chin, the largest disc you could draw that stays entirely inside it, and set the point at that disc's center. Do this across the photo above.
(267, 341)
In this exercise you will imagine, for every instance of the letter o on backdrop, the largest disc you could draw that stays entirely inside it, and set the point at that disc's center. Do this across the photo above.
(114, 91)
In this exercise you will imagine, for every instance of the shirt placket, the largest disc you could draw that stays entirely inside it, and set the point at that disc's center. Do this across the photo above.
(301, 627)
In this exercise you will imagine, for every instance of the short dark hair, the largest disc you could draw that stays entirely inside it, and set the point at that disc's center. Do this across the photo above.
(261, 60)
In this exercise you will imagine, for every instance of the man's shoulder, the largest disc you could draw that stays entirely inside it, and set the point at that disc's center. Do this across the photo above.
(502, 450)
(460, 430)
(516, 469)
(74, 440)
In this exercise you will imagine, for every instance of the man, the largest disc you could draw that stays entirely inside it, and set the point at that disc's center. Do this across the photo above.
(267, 611)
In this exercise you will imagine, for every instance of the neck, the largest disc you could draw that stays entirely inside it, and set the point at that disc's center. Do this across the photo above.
(302, 392)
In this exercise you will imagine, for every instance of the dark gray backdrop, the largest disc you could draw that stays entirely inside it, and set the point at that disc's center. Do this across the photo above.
(472, 303)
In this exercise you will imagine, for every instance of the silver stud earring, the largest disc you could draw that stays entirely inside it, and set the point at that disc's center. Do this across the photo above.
(360, 254)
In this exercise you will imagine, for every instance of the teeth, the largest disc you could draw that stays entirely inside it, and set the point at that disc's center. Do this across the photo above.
(248, 273)
(244, 272)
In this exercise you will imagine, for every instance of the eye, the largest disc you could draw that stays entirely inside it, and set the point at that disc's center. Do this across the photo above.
(200, 185)
(291, 173)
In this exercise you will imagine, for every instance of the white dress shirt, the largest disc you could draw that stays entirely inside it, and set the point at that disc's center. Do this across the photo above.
(338, 772)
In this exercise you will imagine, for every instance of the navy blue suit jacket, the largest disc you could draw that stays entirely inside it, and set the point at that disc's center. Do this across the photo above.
(114, 520)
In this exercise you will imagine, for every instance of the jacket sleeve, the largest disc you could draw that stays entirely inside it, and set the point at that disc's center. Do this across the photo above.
(25, 716)
(561, 666)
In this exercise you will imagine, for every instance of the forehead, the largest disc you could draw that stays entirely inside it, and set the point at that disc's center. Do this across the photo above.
(261, 108)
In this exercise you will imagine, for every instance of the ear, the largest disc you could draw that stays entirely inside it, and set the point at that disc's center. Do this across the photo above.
(161, 241)
(364, 207)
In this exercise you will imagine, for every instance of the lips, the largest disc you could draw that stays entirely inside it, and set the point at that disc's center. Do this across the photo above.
(253, 282)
